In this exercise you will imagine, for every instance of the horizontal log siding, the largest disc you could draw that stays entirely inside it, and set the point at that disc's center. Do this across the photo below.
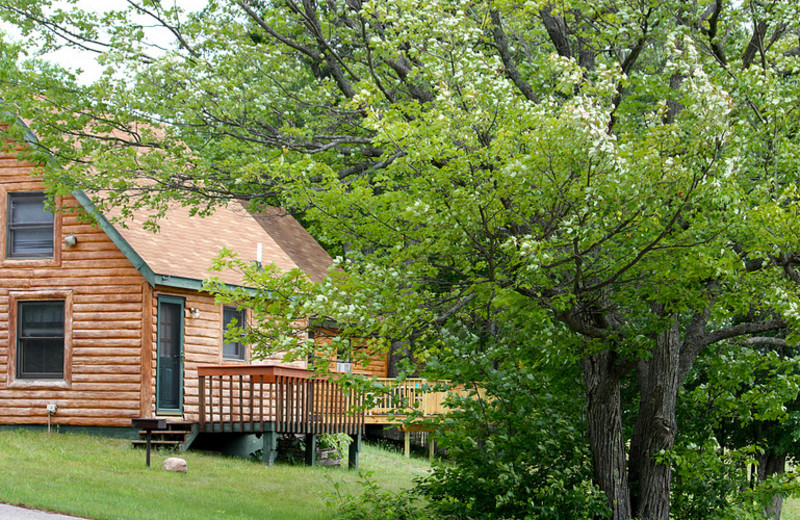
(378, 362)
(377, 366)
(107, 300)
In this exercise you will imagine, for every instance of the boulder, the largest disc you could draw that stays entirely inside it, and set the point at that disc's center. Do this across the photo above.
(175, 464)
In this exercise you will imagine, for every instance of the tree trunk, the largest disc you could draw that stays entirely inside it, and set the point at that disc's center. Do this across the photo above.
(655, 427)
(770, 464)
(398, 351)
(604, 415)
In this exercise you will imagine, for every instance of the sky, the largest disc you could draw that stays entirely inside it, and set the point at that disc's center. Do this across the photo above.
(77, 59)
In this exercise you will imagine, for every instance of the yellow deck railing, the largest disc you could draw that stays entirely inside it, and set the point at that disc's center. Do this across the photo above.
(406, 397)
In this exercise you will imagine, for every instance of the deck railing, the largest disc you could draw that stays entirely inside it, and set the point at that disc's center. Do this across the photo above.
(245, 398)
(410, 396)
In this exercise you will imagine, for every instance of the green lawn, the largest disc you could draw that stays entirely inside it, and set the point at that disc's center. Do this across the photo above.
(791, 509)
(106, 479)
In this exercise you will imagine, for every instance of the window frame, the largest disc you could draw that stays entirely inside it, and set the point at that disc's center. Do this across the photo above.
(13, 228)
(241, 316)
(344, 358)
(25, 342)
(15, 377)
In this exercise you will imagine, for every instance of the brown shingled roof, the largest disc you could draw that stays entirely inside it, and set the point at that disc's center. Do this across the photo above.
(296, 242)
(186, 245)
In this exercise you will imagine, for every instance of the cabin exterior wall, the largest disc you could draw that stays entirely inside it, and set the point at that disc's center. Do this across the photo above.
(105, 304)
(377, 364)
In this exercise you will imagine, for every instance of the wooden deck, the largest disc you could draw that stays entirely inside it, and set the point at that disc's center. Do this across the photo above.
(243, 398)
(410, 399)
(257, 398)
(273, 400)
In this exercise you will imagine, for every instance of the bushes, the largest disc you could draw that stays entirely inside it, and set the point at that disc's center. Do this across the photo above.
(526, 464)
(374, 504)
(520, 452)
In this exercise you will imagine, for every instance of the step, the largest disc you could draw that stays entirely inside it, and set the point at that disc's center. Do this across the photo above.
(166, 432)
(177, 434)
(156, 443)
(185, 424)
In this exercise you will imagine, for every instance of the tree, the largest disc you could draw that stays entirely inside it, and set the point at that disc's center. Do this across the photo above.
(623, 170)
(739, 412)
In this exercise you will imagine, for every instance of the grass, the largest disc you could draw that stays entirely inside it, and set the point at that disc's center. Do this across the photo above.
(106, 479)
(791, 509)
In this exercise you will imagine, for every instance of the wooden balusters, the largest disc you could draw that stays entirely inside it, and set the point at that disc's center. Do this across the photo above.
(244, 398)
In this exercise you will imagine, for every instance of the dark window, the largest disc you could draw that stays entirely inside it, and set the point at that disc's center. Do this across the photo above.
(232, 317)
(40, 340)
(344, 360)
(30, 226)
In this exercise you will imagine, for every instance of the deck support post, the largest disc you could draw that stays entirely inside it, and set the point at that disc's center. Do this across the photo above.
(431, 446)
(352, 452)
(311, 449)
(269, 449)
(407, 443)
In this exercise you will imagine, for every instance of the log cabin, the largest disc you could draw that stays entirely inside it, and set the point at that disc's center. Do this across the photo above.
(101, 324)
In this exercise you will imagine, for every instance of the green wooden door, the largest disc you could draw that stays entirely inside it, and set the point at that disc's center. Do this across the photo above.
(169, 378)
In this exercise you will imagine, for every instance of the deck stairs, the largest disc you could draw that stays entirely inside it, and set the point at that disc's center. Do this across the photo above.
(179, 435)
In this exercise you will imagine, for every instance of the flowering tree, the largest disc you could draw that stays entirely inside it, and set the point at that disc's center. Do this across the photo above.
(621, 173)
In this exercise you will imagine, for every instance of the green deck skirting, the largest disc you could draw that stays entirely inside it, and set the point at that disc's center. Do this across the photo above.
(238, 427)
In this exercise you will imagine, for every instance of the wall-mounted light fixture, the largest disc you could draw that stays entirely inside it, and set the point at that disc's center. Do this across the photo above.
(193, 312)
(70, 240)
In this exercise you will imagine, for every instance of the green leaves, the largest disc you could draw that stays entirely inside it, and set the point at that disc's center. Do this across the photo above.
(523, 184)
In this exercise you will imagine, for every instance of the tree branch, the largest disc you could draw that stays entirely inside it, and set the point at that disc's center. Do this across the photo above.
(743, 329)
(401, 67)
(332, 59)
(712, 13)
(311, 53)
(755, 44)
(557, 30)
(649, 247)
(174, 30)
(371, 64)
(511, 70)
(693, 339)
(71, 37)
(765, 340)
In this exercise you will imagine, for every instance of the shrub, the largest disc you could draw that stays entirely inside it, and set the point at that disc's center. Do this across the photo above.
(520, 452)
(375, 504)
